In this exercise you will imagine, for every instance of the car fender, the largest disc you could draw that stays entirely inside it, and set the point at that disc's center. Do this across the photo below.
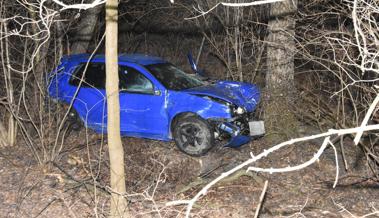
(179, 103)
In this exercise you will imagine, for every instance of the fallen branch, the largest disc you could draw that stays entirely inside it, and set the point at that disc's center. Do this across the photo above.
(366, 119)
(200, 181)
(261, 200)
(229, 4)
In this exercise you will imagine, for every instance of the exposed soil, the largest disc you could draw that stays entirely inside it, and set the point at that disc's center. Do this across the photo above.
(75, 184)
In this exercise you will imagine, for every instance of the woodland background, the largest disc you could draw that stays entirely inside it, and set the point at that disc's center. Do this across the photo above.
(324, 77)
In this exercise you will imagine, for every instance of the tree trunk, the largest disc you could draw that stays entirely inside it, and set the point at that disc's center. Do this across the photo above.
(85, 31)
(11, 131)
(280, 120)
(3, 136)
(116, 151)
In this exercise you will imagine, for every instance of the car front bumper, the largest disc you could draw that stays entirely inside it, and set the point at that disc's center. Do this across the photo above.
(237, 133)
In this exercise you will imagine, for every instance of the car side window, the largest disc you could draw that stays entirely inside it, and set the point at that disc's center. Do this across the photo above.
(132, 80)
(94, 76)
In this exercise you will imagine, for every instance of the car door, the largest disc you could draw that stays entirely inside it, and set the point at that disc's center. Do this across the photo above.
(90, 101)
(142, 104)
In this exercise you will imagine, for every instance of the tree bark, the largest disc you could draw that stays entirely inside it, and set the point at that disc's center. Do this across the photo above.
(86, 28)
(3, 136)
(280, 120)
(11, 131)
(116, 151)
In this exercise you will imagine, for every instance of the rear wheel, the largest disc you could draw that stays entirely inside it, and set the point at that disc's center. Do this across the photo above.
(73, 120)
(193, 135)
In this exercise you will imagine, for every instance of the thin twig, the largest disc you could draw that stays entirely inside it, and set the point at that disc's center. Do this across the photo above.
(343, 154)
(261, 199)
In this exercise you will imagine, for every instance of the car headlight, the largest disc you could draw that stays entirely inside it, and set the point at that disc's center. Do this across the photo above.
(239, 110)
(234, 109)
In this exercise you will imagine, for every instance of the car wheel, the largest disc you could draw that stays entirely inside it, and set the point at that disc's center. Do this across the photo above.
(73, 120)
(193, 136)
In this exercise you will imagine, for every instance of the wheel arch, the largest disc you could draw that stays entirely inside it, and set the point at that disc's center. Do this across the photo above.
(195, 121)
(179, 116)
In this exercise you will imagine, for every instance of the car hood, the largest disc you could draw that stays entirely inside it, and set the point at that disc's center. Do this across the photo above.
(244, 95)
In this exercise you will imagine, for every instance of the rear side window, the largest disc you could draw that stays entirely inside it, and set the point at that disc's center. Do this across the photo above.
(132, 80)
(94, 76)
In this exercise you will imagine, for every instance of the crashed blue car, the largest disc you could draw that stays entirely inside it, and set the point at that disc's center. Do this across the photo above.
(159, 101)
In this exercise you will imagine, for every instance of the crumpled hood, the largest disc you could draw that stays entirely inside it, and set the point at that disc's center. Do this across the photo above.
(245, 95)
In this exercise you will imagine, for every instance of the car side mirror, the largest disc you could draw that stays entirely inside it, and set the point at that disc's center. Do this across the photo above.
(194, 68)
(157, 92)
(192, 62)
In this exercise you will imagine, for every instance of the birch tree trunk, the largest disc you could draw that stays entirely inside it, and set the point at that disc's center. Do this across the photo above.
(116, 151)
(280, 120)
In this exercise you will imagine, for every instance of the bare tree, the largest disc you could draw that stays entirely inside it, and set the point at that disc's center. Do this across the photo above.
(35, 27)
(279, 117)
(85, 30)
(116, 151)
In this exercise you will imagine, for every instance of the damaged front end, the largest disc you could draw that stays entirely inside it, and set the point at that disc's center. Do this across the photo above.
(238, 130)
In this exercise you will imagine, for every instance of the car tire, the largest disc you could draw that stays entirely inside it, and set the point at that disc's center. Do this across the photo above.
(73, 121)
(193, 135)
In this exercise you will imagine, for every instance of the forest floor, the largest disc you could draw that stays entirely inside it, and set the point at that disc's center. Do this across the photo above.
(157, 172)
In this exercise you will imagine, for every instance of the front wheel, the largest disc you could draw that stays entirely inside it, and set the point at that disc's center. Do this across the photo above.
(193, 136)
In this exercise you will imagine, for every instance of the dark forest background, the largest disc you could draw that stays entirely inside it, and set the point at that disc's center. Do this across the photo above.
(328, 73)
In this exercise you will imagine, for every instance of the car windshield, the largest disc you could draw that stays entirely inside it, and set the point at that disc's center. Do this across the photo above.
(173, 78)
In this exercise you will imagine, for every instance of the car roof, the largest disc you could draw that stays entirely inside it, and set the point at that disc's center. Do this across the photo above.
(130, 58)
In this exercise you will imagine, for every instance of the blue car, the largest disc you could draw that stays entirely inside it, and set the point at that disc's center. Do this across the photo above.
(159, 101)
